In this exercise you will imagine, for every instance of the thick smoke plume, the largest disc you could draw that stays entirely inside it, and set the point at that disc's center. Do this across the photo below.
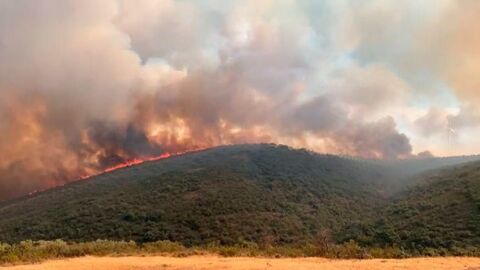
(86, 85)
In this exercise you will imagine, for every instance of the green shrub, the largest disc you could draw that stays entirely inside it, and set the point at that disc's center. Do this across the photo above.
(37, 251)
(349, 250)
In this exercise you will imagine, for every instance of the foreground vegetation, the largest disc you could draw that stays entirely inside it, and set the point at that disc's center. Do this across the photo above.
(37, 251)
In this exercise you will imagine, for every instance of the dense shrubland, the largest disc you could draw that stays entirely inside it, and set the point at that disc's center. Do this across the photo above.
(440, 215)
(244, 192)
(254, 200)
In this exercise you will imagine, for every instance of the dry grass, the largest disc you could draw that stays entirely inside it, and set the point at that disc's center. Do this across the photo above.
(244, 263)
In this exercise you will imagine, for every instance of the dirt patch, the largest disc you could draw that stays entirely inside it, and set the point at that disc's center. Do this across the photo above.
(242, 263)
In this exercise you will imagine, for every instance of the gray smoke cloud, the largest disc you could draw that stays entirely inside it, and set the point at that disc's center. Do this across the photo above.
(86, 85)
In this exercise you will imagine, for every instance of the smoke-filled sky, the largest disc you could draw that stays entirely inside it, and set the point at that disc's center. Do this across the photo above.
(87, 84)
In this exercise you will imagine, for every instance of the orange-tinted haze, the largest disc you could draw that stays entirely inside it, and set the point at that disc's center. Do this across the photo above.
(86, 87)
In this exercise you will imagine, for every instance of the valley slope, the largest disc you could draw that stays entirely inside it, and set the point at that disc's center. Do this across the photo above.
(441, 212)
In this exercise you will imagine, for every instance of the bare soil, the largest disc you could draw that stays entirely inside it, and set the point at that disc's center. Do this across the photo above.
(242, 263)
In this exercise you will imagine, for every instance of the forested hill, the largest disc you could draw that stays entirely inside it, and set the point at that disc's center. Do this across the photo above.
(263, 193)
(250, 192)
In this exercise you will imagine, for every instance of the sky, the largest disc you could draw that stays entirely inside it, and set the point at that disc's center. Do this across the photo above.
(86, 84)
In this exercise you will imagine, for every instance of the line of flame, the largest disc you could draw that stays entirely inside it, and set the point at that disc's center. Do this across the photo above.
(137, 161)
(129, 163)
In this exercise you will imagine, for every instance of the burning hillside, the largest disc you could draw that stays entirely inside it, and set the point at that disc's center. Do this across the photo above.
(86, 87)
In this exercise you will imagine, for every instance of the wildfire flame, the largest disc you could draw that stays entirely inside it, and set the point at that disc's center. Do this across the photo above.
(137, 161)
(129, 163)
